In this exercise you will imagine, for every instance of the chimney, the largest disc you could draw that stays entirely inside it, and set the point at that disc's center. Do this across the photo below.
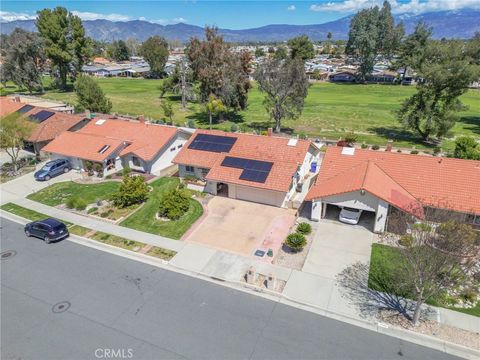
(141, 118)
(269, 131)
(17, 99)
(389, 145)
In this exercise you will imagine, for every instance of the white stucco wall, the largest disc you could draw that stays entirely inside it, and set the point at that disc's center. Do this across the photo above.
(354, 199)
(164, 158)
(381, 216)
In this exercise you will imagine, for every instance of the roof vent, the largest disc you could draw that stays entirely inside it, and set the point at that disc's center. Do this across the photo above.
(100, 122)
(348, 151)
(292, 142)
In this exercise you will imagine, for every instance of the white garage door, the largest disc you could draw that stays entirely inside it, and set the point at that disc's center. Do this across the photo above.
(259, 196)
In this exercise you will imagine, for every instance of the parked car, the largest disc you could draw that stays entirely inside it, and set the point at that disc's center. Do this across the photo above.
(52, 168)
(49, 230)
(350, 215)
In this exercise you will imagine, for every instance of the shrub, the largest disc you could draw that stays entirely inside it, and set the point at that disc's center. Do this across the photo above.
(74, 202)
(399, 151)
(126, 171)
(106, 214)
(364, 146)
(234, 128)
(304, 228)
(191, 123)
(174, 204)
(437, 150)
(92, 210)
(302, 135)
(375, 147)
(133, 190)
(350, 138)
(414, 152)
(296, 241)
(469, 295)
(406, 240)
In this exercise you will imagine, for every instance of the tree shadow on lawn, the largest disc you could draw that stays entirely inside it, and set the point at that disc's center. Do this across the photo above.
(203, 118)
(264, 125)
(472, 122)
(353, 282)
(399, 135)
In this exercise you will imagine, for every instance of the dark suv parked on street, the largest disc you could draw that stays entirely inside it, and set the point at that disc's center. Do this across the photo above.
(49, 230)
(52, 168)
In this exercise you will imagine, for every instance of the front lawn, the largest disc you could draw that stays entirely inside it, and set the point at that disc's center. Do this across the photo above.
(145, 218)
(59, 193)
(384, 264)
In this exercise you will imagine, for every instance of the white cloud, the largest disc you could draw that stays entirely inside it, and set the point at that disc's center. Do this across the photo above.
(412, 6)
(169, 21)
(7, 16)
(291, 8)
(95, 16)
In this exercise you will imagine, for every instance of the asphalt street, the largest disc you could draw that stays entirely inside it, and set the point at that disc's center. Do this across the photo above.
(68, 301)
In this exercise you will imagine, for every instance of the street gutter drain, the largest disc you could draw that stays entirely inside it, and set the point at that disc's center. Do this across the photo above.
(61, 307)
(4, 255)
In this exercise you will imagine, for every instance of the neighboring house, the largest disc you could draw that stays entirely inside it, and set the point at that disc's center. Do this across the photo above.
(263, 169)
(380, 182)
(382, 78)
(119, 143)
(342, 77)
(48, 124)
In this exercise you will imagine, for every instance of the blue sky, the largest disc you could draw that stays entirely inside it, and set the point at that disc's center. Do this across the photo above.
(227, 14)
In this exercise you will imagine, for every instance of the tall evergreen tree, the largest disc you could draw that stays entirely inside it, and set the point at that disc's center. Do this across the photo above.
(65, 43)
(155, 51)
(301, 47)
(90, 96)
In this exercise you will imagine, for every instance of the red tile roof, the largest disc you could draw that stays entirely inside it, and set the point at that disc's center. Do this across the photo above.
(8, 106)
(285, 158)
(403, 180)
(145, 140)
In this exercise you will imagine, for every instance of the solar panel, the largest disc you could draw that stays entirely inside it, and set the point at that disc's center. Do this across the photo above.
(41, 116)
(212, 143)
(24, 109)
(253, 170)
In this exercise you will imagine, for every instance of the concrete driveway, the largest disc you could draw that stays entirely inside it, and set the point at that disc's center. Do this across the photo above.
(26, 184)
(336, 246)
(242, 227)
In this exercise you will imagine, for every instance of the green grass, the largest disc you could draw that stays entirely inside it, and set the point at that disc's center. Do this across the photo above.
(330, 111)
(58, 193)
(27, 213)
(116, 241)
(161, 253)
(145, 219)
(79, 230)
(384, 264)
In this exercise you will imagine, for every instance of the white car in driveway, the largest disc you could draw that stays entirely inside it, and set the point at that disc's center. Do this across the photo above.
(350, 215)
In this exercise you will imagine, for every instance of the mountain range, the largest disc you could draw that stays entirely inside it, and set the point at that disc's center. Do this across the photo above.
(449, 24)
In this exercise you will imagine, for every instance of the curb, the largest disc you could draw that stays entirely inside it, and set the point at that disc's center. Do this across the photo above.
(407, 335)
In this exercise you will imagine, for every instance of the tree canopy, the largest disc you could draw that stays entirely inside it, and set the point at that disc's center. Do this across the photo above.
(466, 147)
(218, 70)
(118, 51)
(301, 47)
(64, 39)
(90, 96)
(285, 85)
(15, 129)
(155, 52)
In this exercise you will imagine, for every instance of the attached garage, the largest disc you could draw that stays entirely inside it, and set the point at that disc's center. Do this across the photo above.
(248, 193)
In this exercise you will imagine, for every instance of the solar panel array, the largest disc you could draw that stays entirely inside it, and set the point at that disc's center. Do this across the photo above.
(253, 170)
(24, 109)
(212, 143)
(41, 116)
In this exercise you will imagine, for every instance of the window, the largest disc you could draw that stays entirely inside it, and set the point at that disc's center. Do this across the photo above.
(136, 161)
(190, 169)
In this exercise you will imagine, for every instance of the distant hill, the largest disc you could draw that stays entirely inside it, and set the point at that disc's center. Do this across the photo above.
(449, 24)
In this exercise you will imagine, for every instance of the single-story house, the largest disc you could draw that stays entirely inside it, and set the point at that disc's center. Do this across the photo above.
(344, 76)
(119, 143)
(263, 169)
(382, 182)
(48, 123)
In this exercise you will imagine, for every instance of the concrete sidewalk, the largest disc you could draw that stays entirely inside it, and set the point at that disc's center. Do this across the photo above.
(104, 226)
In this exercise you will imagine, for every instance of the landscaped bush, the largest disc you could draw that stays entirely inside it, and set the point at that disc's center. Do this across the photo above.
(133, 190)
(234, 128)
(414, 152)
(174, 204)
(191, 123)
(75, 202)
(375, 147)
(364, 146)
(92, 210)
(304, 228)
(296, 241)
